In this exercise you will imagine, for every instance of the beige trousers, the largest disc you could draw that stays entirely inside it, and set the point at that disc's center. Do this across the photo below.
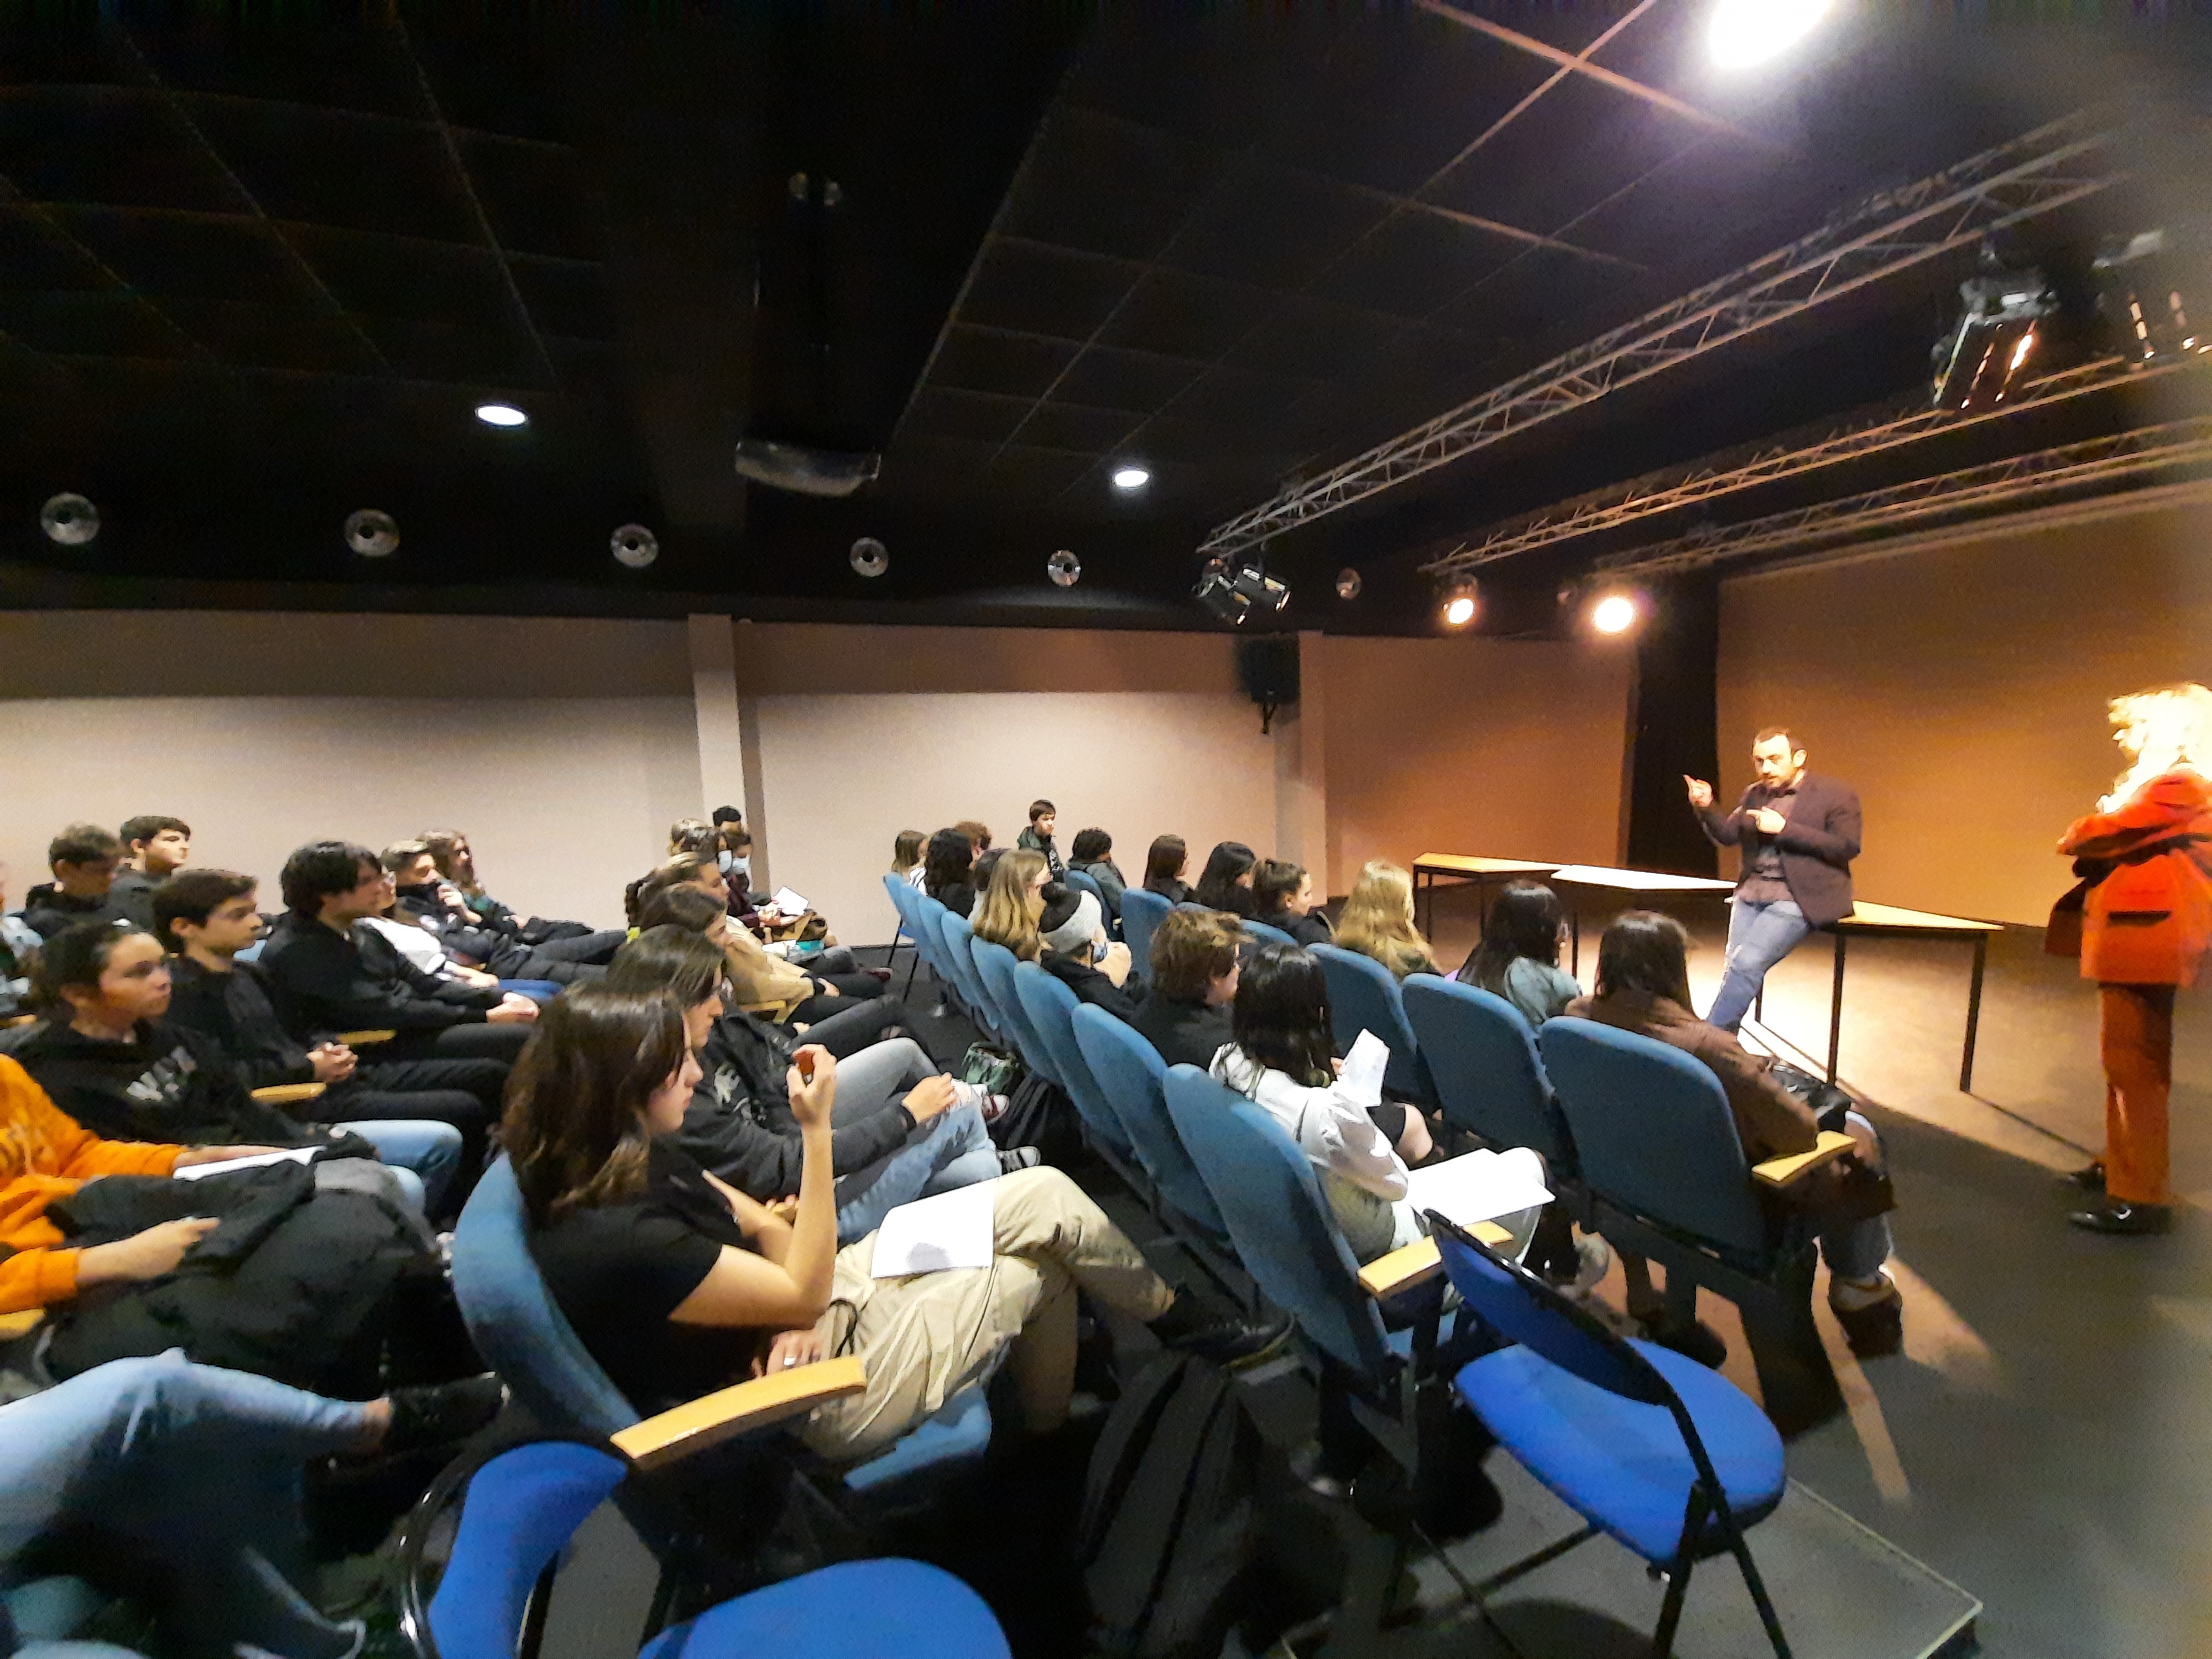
(925, 1337)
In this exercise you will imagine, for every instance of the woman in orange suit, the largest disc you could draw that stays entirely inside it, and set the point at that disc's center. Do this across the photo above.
(2146, 859)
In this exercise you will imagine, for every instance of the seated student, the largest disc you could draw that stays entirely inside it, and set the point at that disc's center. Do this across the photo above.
(422, 898)
(457, 864)
(106, 1054)
(19, 949)
(155, 846)
(1518, 958)
(1643, 985)
(906, 857)
(1070, 933)
(904, 1131)
(1012, 902)
(1226, 883)
(1092, 855)
(1164, 865)
(1044, 818)
(1193, 985)
(1283, 1056)
(692, 835)
(328, 977)
(764, 979)
(1283, 897)
(207, 917)
(678, 1284)
(180, 1485)
(853, 1022)
(83, 858)
(1377, 920)
(977, 834)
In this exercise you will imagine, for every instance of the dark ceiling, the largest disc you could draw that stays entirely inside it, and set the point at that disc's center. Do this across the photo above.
(254, 277)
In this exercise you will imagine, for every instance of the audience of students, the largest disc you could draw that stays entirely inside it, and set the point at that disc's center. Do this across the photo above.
(1071, 932)
(1518, 956)
(83, 858)
(1283, 898)
(1166, 862)
(906, 857)
(1283, 1056)
(155, 846)
(1643, 985)
(1226, 883)
(1377, 920)
(1092, 854)
(1044, 819)
(424, 899)
(1191, 986)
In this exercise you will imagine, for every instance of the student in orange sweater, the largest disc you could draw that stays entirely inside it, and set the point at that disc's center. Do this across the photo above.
(46, 1156)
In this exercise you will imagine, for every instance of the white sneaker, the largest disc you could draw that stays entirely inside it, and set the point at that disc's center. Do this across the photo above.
(1592, 1260)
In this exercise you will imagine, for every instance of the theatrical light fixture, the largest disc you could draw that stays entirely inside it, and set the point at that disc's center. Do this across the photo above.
(870, 557)
(1347, 583)
(2145, 286)
(502, 415)
(372, 534)
(1131, 477)
(636, 546)
(1742, 33)
(1064, 568)
(69, 520)
(1979, 360)
(1615, 612)
(1462, 599)
(1235, 589)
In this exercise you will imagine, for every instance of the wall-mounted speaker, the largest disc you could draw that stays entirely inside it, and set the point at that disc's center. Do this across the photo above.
(1268, 669)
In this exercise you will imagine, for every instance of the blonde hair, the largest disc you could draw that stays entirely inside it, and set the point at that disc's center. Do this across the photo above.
(2161, 727)
(1003, 914)
(1378, 920)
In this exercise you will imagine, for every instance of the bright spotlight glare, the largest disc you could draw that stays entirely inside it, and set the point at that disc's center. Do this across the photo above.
(1744, 33)
(1613, 614)
(1131, 477)
(1459, 613)
(502, 415)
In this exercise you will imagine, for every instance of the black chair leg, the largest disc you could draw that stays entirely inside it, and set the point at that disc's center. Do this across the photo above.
(1757, 1586)
(1670, 1612)
(912, 969)
(1794, 1378)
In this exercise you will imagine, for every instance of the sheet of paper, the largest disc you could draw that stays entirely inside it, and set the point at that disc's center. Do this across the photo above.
(932, 1235)
(297, 1155)
(1361, 1082)
(1479, 1186)
(789, 903)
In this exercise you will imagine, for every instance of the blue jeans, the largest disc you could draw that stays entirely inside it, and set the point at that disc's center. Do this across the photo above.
(539, 990)
(953, 1149)
(198, 1469)
(1760, 935)
(1856, 1249)
(422, 1154)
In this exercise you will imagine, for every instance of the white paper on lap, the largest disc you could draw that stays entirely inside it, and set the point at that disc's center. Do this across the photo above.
(789, 903)
(1479, 1186)
(1361, 1081)
(297, 1155)
(934, 1234)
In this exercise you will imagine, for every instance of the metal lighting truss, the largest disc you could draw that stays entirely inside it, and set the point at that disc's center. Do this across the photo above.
(2069, 466)
(1892, 231)
(1849, 443)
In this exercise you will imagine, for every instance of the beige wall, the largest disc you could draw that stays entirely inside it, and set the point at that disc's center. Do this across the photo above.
(1500, 748)
(1961, 688)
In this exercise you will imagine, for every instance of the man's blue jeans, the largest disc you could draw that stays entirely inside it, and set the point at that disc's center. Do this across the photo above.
(1760, 935)
(954, 1148)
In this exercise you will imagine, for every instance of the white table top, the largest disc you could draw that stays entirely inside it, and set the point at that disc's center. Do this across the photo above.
(1638, 881)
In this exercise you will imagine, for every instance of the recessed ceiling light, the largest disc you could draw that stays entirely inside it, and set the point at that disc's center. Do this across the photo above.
(502, 415)
(1131, 477)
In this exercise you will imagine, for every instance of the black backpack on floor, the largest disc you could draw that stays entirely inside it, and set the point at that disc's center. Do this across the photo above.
(1166, 1537)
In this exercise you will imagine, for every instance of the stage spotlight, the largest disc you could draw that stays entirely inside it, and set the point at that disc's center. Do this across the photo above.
(1462, 599)
(2145, 287)
(502, 415)
(1978, 361)
(1347, 583)
(1615, 613)
(1064, 568)
(1131, 477)
(372, 534)
(870, 557)
(636, 546)
(1234, 592)
(1742, 33)
(69, 520)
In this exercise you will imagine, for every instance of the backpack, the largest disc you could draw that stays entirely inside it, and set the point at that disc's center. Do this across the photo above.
(1166, 1535)
(1039, 1113)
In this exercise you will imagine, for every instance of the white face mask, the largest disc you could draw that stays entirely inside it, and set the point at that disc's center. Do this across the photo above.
(734, 865)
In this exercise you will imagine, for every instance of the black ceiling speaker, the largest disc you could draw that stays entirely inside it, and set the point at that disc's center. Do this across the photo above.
(1268, 669)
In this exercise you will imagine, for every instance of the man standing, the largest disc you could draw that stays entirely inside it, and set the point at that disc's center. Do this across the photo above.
(1799, 833)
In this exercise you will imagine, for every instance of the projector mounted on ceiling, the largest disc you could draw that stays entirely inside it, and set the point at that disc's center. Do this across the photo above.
(806, 471)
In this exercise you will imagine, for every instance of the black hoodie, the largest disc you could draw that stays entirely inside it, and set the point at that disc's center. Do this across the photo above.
(236, 1012)
(49, 910)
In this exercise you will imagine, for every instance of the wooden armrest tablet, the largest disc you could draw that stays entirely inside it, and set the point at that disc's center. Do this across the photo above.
(1781, 1171)
(290, 1094)
(16, 1325)
(713, 1418)
(1415, 1263)
(14, 1020)
(363, 1039)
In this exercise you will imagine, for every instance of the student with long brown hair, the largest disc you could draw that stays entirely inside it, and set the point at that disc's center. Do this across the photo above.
(1164, 865)
(1008, 911)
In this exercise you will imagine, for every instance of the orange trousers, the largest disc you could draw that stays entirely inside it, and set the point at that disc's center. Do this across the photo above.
(2136, 1040)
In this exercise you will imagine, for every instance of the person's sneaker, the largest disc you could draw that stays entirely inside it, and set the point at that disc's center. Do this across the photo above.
(2088, 1179)
(1873, 1319)
(1696, 1340)
(1592, 1260)
(2119, 1217)
(439, 1415)
(1019, 1157)
(1187, 1327)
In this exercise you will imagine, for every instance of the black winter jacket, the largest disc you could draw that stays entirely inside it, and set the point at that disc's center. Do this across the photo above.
(739, 1125)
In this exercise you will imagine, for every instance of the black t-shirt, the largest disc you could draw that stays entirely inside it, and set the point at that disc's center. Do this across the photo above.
(618, 1270)
(1185, 1033)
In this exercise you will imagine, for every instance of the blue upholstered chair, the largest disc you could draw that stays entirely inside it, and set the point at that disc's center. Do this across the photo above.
(523, 1505)
(1666, 1178)
(995, 968)
(1051, 1007)
(1672, 1460)
(1081, 882)
(1142, 911)
(903, 897)
(1364, 996)
(523, 1335)
(1482, 1058)
(1266, 934)
(960, 962)
(1134, 1079)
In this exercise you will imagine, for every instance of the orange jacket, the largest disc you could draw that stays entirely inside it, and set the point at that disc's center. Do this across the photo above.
(2149, 920)
(45, 1156)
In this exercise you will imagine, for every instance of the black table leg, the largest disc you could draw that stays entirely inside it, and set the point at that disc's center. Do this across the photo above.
(1575, 932)
(1836, 1011)
(1973, 1014)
